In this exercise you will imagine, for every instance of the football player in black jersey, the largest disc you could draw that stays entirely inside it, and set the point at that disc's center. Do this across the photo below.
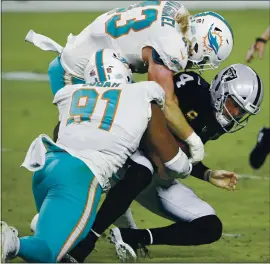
(224, 106)
(211, 110)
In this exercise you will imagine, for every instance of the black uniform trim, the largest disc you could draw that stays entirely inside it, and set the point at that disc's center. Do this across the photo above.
(156, 57)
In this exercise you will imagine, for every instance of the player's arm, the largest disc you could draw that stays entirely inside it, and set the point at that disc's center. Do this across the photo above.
(174, 116)
(159, 141)
(220, 178)
(258, 46)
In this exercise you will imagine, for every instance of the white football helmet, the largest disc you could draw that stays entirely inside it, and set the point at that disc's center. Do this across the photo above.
(244, 88)
(211, 40)
(107, 65)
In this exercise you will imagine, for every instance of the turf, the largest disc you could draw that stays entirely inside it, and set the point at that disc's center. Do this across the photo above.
(27, 111)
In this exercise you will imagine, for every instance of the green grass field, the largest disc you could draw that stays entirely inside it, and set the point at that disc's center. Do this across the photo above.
(27, 111)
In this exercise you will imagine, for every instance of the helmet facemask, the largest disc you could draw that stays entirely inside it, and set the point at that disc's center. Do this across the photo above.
(229, 121)
(236, 94)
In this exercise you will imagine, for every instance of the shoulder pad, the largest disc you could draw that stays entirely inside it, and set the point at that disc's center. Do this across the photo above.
(172, 50)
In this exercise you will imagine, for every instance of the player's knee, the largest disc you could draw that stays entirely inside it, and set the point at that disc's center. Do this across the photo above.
(211, 226)
(215, 229)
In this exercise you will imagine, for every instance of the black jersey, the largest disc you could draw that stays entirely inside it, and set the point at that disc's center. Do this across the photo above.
(194, 99)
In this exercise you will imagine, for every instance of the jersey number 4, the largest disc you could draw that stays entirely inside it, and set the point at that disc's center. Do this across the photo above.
(84, 103)
(150, 16)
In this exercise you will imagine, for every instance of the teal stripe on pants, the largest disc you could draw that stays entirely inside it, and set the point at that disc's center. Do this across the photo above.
(63, 190)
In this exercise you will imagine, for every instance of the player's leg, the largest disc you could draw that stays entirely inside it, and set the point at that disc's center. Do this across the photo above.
(195, 220)
(126, 220)
(59, 77)
(68, 211)
(116, 203)
(261, 150)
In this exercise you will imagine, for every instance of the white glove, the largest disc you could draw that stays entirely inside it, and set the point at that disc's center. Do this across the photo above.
(180, 164)
(196, 148)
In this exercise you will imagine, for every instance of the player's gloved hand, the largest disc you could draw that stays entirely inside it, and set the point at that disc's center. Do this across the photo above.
(196, 148)
(258, 47)
(222, 179)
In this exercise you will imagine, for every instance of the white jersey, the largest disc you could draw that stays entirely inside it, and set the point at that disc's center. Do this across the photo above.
(128, 31)
(102, 123)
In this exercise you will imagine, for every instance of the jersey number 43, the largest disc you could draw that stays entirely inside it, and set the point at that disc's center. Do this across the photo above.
(113, 28)
(84, 102)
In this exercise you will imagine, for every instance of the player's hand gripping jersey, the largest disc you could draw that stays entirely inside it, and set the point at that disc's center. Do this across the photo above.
(129, 30)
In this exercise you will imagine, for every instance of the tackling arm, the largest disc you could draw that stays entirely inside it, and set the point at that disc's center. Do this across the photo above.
(158, 141)
(174, 116)
(163, 76)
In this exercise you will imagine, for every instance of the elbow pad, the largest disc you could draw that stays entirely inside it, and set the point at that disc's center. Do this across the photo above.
(180, 164)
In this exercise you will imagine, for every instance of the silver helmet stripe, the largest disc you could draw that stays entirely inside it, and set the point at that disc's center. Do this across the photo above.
(259, 90)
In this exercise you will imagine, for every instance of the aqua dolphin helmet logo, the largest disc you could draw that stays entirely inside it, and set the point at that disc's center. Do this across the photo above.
(122, 59)
(213, 40)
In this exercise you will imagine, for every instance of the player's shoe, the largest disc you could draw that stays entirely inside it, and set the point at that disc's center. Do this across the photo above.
(10, 242)
(68, 259)
(261, 150)
(123, 250)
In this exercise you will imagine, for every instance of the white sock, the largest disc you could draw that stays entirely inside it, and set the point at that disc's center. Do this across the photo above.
(151, 236)
(98, 235)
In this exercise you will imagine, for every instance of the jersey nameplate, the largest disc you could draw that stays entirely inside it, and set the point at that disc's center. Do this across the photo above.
(102, 84)
(168, 13)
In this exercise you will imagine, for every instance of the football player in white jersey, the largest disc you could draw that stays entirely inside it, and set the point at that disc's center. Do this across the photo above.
(157, 37)
(101, 126)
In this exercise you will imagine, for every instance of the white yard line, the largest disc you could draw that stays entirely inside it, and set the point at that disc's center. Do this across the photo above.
(232, 235)
(240, 176)
(252, 177)
(25, 76)
(12, 150)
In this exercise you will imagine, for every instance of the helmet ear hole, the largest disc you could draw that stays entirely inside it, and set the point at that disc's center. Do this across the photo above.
(218, 29)
(196, 47)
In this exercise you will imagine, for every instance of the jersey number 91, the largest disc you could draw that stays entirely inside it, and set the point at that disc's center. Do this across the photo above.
(84, 103)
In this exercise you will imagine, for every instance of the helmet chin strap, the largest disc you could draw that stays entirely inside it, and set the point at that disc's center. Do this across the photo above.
(222, 120)
(225, 123)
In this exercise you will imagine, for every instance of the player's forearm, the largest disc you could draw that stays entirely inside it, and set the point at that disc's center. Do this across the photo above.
(160, 141)
(175, 117)
(266, 34)
(199, 171)
(176, 120)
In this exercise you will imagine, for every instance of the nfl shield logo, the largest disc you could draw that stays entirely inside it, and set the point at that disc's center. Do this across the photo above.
(92, 73)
